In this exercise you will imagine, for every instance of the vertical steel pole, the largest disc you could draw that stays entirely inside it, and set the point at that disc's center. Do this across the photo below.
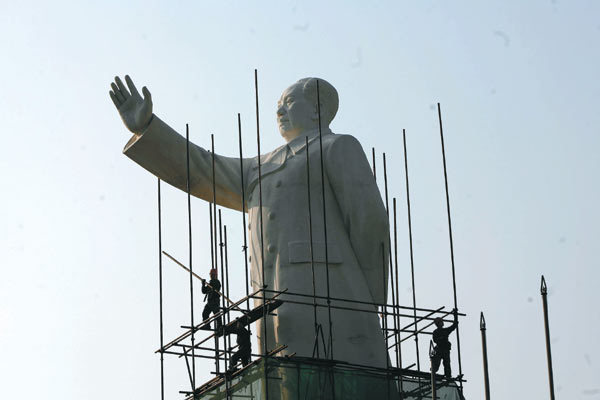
(486, 375)
(325, 224)
(160, 295)
(189, 202)
(312, 255)
(262, 249)
(387, 211)
(243, 187)
(433, 383)
(451, 242)
(412, 263)
(214, 225)
(544, 292)
(398, 336)
(374, 165)
(223, 286)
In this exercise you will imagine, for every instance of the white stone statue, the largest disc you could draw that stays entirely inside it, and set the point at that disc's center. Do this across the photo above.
(357, 224)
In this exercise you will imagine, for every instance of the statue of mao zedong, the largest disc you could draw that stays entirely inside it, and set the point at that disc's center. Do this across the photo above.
(357, 223)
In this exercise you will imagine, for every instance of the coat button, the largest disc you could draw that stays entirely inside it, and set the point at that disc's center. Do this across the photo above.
(249, 258)
(278, 183)
(248, 226)
(271, 248)
(271, 215)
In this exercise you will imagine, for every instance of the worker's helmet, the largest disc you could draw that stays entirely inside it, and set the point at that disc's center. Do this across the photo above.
(438, 322)
(213, 273)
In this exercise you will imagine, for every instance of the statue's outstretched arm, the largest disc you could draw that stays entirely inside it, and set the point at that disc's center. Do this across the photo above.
(163, 152)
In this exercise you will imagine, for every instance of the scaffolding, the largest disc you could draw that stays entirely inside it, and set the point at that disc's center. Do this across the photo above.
(271, 376)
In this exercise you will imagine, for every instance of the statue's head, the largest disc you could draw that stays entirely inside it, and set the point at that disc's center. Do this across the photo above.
(297, 110)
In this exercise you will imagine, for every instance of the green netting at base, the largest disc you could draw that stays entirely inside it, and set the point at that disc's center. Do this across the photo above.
(300, 379)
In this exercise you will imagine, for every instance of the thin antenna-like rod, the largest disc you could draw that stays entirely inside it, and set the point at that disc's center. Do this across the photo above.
(387, 211)
(486, 375)
(544, 293)
(410, 239)
(325, 224)
(374, 165)
(189, 202)
(245, 247)
(451, 241)
(262, 247)
(312, 255)
(160, 296)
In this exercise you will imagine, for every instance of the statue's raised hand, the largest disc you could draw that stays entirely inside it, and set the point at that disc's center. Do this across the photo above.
(135, 111)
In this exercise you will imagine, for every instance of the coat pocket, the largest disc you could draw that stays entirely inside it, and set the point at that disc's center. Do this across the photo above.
(299, 252)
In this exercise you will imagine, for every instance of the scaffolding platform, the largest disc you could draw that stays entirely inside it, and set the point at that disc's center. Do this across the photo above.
(295, 378)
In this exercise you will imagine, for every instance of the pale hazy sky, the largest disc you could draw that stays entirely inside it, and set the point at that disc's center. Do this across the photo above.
(519, 87)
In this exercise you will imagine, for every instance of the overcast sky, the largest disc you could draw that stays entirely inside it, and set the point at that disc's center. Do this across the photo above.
(519, 88)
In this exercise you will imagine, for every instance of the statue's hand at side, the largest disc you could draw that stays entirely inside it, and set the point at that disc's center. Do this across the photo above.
(135, 111)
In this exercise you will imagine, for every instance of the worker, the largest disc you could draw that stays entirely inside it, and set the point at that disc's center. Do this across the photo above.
(211, 290)
(441, 351)
(244, 346)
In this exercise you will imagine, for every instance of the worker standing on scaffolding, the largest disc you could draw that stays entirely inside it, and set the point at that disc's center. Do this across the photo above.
(442, 348)
(211, 290)
(244, 346)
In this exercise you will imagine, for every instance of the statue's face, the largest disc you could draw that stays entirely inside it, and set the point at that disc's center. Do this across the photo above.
(294, 113)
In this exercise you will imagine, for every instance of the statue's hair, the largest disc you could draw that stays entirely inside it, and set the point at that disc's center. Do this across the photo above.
(327, 94)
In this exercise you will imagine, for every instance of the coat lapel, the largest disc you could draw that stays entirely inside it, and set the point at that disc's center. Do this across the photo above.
(270, 163)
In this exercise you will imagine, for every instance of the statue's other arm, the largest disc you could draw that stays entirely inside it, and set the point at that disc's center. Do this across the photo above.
(363, 211)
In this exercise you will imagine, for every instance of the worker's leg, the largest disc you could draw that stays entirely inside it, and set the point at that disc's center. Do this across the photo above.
(447, 370)
(246, 358)
(435, 362)
(215, 310)
(206, 314)
(234, 359)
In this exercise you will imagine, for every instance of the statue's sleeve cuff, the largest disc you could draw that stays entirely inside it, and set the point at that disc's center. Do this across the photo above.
(154, 120)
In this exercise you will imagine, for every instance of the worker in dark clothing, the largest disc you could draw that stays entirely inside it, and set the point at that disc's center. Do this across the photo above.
(212, 297)
(244, 346)
(441, 351)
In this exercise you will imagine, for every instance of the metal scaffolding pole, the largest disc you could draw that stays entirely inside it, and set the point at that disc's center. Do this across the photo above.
(243, 187)
(160, 295)
(450, 236)
(391, 263)
(544, 293)
(312, 255)
(410, 239)
(486, 375)
(325, 223)
(262, 247)
(189, 203)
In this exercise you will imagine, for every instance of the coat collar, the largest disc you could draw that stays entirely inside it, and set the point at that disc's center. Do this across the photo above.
(299, 143)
